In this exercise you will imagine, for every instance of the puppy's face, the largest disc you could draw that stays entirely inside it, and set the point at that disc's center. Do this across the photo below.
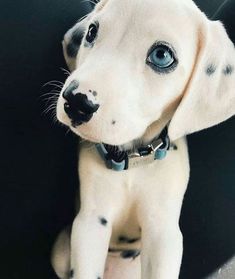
(135, 59)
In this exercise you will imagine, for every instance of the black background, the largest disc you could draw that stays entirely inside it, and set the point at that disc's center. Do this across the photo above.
(38, 158)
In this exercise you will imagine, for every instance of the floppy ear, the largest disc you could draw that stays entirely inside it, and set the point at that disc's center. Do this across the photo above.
(72, 41)
(210, 95)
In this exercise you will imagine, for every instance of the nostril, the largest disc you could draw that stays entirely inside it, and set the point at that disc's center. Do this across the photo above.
(67, 108)
(68, 92)
(66, 105)
(72, 112)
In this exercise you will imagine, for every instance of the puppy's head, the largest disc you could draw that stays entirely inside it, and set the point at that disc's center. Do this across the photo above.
(135, 63)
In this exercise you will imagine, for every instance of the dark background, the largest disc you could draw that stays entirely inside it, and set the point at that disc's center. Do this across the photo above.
(38, 159)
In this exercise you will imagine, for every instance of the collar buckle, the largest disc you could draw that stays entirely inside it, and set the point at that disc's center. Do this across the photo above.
(145, 155)
(156, 144)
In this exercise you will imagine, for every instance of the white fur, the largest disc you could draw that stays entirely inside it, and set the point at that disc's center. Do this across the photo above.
(141, 102)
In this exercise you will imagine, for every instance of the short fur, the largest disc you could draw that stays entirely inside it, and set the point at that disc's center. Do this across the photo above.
(137, 210)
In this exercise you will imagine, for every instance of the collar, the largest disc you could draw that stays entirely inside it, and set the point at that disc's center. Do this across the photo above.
(118, 160)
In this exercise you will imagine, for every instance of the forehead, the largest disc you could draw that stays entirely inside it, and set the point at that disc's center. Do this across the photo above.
(143, 6)
(140, 11)
(169, 20)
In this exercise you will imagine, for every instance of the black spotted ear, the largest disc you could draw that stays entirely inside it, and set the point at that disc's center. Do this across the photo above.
(210, 95)
(72, 42)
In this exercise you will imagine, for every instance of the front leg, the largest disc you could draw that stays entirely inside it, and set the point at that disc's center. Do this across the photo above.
(161, 251)
(162, 244)
(102, 200)
(89, 245)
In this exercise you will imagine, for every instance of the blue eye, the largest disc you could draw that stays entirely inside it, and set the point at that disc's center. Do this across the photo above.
(161, 58)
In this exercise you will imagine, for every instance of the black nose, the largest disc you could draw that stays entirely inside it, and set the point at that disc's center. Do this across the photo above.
(77, 106)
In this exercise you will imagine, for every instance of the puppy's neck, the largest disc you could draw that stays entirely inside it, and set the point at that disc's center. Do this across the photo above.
(155, 129)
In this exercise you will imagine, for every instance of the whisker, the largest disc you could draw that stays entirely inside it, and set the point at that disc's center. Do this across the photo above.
(67, 132)
(51, 99)
(50, 108)
(66, 72)
(53, 92)
(89, 1)
(57, 86)
(52, 82)
(50, 96)
(54, 118)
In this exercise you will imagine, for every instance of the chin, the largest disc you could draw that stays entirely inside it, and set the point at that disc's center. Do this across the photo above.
(97, 134)
(109, 138)
(85, 136)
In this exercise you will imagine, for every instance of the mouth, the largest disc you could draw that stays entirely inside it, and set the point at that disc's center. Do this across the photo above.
(76, 123)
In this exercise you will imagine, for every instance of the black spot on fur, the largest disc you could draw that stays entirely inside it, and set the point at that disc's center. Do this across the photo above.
(130, 254)
(210, 70)
(72, 49)
(103, 221)
(71, 273)
(127, 240)
(113, 122)
(228, 70)
(174, 147)
(75, 42)
(94, 93)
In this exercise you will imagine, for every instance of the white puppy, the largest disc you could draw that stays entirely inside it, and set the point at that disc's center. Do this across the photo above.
(138, 67)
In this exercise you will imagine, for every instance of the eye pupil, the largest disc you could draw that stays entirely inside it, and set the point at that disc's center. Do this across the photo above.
(161, 54)
(92, 33)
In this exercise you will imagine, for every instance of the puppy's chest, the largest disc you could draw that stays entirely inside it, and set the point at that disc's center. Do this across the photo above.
(124, 193)
(126, 235)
